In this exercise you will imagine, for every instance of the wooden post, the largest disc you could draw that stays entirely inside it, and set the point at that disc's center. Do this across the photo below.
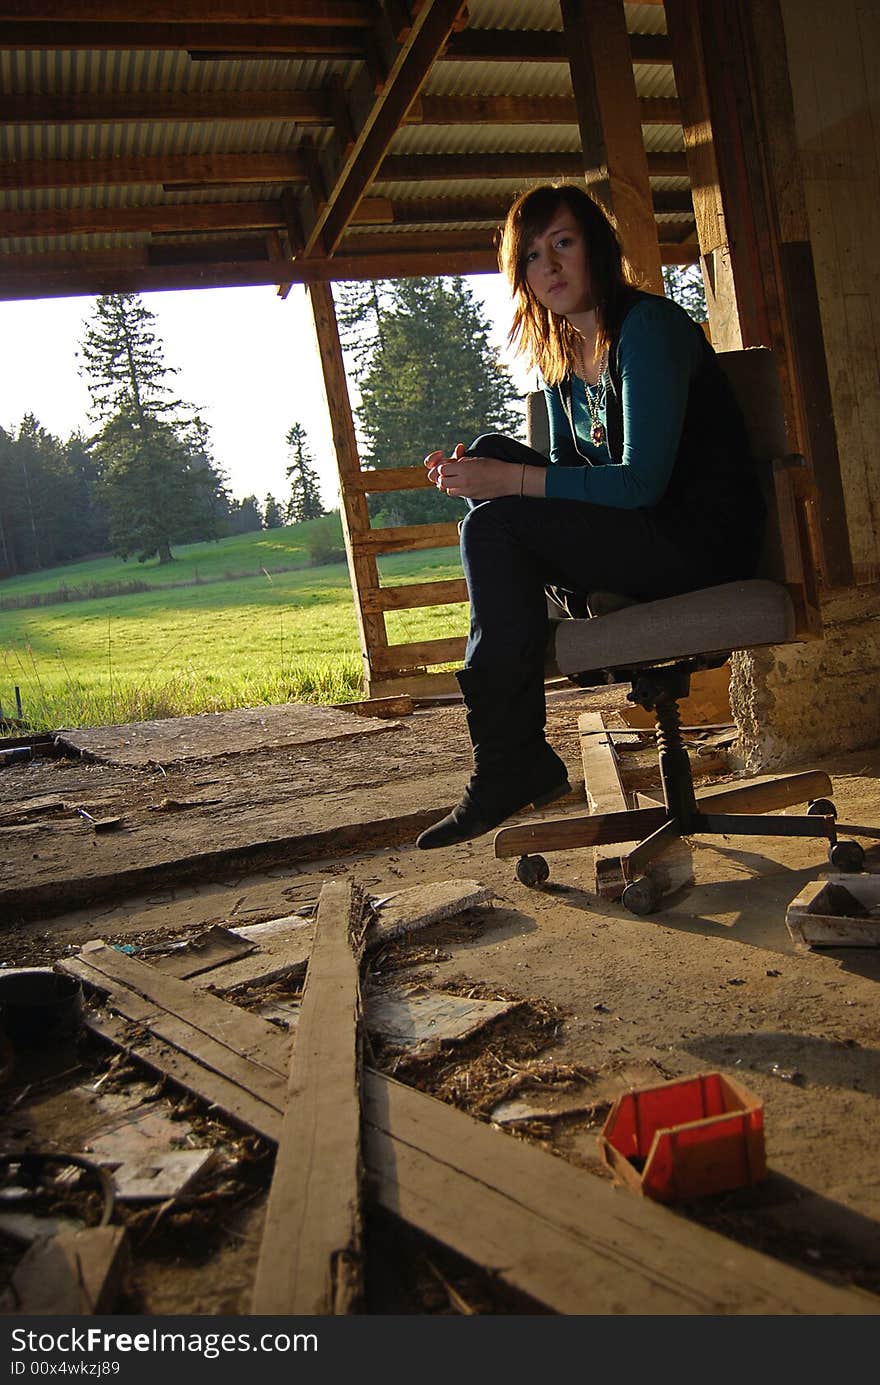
(731, 67)
(615, 162)
(353, 509)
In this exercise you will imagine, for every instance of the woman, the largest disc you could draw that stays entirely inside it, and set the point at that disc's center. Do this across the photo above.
(650, 489)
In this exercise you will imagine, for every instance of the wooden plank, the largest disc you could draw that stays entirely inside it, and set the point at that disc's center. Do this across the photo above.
(609, 118)
(406, 656)
(392, 478)
(73, 1272)
(123, 107)
(410, 538)
(268, 12)
(605, 794)
(255, 1109)
(426, 168)
(416, 685)
(543, 1226)
(224, 1030)
(524, 110)
(407, 911)
(558, 1234)
(407, 597)
(302, 40)
(165, 169)
(541, 45)
(85, 221)
(492, 208)
(122, 276)
(282, 957)
(310, 1257)
(210, 949)
(174, 740)
(380, 707)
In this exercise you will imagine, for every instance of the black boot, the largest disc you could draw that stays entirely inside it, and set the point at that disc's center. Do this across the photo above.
(513, 764)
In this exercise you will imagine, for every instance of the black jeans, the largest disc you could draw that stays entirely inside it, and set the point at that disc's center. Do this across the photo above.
(515, 549)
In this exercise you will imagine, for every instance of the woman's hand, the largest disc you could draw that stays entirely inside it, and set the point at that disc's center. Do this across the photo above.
(481, 478)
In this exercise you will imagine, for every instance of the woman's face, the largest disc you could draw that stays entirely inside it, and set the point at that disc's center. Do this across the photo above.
(556, 266)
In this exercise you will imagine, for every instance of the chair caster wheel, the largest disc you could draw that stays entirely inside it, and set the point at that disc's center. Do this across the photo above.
(822, 808)
(847, 856)
(641, 896)
(532, 870)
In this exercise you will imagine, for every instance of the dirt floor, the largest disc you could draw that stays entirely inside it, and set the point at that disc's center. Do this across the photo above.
(609, 1000)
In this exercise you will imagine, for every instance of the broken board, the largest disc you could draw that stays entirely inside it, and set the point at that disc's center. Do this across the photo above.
(140, 744)
(311, 1254)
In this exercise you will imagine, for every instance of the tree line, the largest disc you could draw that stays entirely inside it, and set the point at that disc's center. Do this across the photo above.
(145, 479)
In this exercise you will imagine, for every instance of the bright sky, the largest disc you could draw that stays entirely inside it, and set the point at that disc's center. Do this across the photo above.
(247, 359)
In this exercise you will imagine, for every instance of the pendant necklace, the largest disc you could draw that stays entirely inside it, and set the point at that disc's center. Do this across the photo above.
(598, 432)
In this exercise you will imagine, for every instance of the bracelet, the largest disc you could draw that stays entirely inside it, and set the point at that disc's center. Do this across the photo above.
(522, 479)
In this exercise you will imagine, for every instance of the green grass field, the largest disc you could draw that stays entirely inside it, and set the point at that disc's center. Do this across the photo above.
(255, 625)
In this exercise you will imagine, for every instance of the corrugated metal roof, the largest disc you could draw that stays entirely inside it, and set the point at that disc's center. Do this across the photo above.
(100, 78)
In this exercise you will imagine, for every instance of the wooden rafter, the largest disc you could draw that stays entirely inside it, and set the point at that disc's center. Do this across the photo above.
(262, 12)
(179, 219)
(114, 108)
(425, 168)
(541, 45)
(168, 170)
(303, 40)
(524, 110)
(410, 66)
(74, 273)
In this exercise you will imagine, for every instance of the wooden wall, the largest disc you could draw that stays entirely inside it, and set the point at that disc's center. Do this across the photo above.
(834, 60)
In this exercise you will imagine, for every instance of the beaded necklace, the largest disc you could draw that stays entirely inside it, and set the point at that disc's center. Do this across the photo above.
(595, 396)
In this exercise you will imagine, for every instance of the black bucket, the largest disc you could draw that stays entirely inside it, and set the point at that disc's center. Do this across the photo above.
(38, 1005)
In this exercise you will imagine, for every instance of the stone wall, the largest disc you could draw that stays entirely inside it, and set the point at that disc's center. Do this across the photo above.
(793, 703)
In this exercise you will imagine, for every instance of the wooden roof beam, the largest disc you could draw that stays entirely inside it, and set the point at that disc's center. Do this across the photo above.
(357, 13)
(524, 110)
(437, 210)
(132, 273)
(227, 40)
(677, 243)
(348, 174)
(178, 219)
(168, 170)
(145, 278)
(541, 45)
(116, 108)
(426, 168)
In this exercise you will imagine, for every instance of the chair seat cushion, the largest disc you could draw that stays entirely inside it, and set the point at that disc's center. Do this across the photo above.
(736, 615)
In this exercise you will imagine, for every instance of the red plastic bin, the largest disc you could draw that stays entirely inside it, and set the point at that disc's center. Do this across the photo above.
(685, 1139)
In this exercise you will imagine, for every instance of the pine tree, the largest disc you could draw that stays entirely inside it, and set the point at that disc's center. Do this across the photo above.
(360, 308)
(305, 494)
(157, 481)
(434, 381)
(272, 516)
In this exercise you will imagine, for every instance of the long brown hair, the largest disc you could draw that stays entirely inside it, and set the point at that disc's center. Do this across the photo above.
(545, 338)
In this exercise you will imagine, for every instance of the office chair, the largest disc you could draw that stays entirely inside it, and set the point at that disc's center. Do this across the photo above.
(657, 645)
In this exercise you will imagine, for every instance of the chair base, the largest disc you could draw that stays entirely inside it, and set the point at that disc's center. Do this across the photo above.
(741, 811)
